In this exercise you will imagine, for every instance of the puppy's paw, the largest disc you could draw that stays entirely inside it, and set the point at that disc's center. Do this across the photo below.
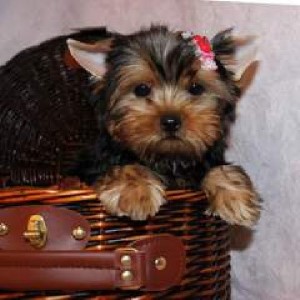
(132, 191)
(232, 195)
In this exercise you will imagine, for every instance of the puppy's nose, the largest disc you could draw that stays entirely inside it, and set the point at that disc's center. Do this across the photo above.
(170, 123)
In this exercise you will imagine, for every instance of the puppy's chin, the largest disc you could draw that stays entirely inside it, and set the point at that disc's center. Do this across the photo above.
(170, 147)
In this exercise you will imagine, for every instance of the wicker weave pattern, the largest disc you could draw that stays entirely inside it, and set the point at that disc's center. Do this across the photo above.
(44, 114)
(45, 119)
(206, 238)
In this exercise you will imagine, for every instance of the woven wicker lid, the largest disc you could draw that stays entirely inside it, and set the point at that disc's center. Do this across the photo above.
(45, 116)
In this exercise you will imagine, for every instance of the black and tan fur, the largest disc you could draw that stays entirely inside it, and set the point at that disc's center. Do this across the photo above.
(135, 159)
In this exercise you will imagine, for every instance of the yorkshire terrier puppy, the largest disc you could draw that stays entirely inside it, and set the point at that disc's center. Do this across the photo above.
(165, 102)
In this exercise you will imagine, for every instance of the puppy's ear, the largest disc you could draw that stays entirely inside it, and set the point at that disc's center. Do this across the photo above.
(238, 55)
(92, 57)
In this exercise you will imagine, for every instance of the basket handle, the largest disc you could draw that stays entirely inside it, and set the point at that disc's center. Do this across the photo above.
(151, 263)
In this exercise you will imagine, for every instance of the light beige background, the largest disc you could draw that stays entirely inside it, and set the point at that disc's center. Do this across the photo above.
(266, 136)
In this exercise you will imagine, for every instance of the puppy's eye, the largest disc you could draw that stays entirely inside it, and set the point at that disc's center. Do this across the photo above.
(196, 89)
(142, 90)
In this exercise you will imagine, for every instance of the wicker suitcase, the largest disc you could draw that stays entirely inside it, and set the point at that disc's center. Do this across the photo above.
(45, 118)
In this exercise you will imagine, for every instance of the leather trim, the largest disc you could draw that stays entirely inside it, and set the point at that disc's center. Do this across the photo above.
(93, 270)
(173, 251)
(60, 224)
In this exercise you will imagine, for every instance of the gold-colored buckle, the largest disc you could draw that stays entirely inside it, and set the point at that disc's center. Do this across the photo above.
(36, 233)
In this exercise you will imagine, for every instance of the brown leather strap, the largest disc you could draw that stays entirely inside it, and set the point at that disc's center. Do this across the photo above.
(60, 224)
(152, 264)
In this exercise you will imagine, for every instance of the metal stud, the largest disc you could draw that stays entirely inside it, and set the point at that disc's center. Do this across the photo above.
(126, 261)
(3, 229)
(127, 275)
(160, 263)
(79, 233)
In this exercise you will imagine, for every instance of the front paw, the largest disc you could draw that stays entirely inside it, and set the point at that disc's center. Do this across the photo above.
(132, 191)
(232, 195)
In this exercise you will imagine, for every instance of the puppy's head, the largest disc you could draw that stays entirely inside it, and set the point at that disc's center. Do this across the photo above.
(160, 98)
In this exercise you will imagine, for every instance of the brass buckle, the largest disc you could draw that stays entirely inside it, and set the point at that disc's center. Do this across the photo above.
(36, 233)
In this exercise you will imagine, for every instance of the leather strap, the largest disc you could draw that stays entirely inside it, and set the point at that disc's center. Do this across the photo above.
(152, 264)
(59, 226)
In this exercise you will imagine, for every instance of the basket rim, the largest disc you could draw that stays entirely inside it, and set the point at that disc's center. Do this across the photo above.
(54, 194)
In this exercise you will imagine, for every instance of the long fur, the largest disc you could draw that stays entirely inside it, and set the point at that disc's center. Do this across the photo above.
(158, 55)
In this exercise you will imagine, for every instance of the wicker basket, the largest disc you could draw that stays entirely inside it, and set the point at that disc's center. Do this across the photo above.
(45, 118)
